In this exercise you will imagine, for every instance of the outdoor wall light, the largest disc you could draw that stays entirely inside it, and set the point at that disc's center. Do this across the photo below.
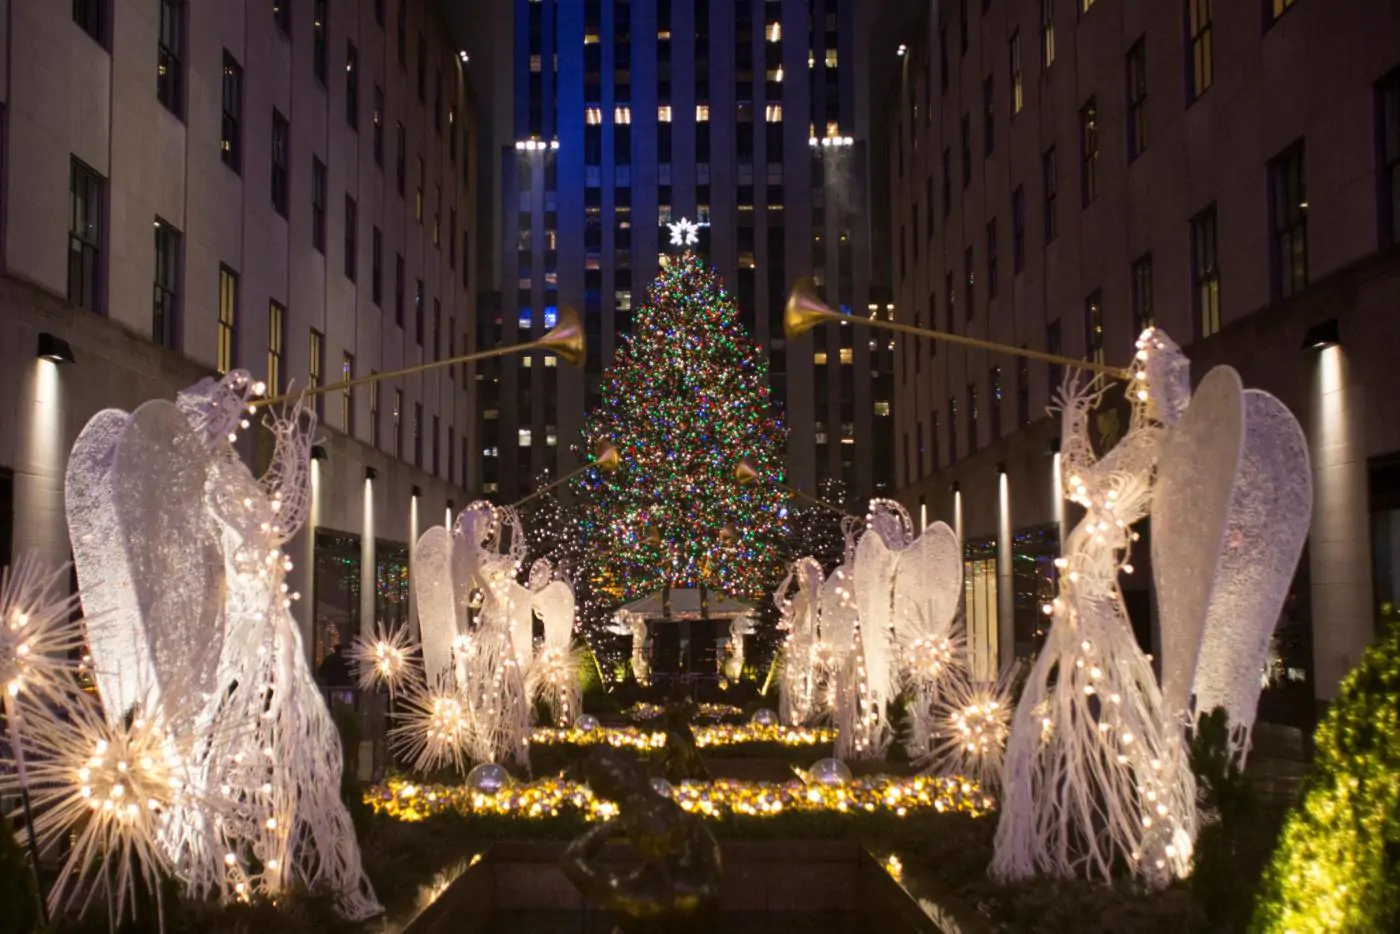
(1001, 468)
(371, 473)
(54, 349)
(1054, 445)
(1320, 336)
(318, 453)
(417, 491)
(955, 488)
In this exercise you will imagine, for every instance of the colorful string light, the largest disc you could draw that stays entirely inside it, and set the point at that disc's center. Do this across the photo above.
(721, 734)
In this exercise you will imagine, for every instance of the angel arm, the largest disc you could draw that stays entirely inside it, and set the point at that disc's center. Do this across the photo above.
(1074, 402)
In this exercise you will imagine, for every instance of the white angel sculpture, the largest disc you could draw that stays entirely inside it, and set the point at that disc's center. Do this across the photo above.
(1095, 771)
(626, 623)
(181, 566)
(804, 653)
(553, 677)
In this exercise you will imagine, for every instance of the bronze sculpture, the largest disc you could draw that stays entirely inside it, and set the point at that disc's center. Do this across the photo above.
(681, 761)
(676, 887)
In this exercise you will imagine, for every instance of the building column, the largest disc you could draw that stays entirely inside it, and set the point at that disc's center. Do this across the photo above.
(1339, 548)
(1006, 603)
(40, 523)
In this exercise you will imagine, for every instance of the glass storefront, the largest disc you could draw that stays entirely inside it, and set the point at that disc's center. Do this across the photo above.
(391, 584)
(980, 607)
(1035, 581)
(337, 599)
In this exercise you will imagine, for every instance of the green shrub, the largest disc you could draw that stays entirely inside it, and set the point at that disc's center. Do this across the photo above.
(1228, 805)
(1337, 867)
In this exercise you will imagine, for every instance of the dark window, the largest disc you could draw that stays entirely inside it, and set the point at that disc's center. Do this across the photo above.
(962, 27)
(281, 132)
(318, 39)
(1023, 392)
(943, 57)
(376, 266)
(399, 286)
(1018, 229)
(437, 432)
(422, 69)
(352, 86)
(418, 434)
(969, 282)
(966, 150)
(91, 15)
(316, 371)
(989, 117)
(952, 431)
(1047, 33)
(992, 258)
(1141, 275)
(86, 204)
(1205, 272)
(282, 15)
(401, 160)
(1051, 185)
(437, 107)
(1089, 151)
(398, 421)
(1288, 217)
(226, 353)
(401, 38)
(972, 415)
(1137, 99)
(231, 144)
(347, 395)
(1201, 74)
(1054, 346)
(947, 182)
(379, 13)
(169, 66)
(451, 238)
(418, 311)
(318, 204)
(351, 223)
(378, 126)
(994, 401)
(437, 329)
(1093, 328)
(1388, 161)
(167, 267)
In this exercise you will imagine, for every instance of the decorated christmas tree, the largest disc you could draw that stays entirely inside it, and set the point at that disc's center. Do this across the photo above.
(551, 528)
(684, 402)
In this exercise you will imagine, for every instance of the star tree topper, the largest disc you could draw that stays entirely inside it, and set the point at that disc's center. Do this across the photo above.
(684, 232)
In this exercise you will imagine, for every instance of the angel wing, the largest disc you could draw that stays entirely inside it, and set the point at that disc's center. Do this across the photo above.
(554, 602)
(1191, 501)
(874, 587)
(928, 584)
(437, 613)
(1270, 510)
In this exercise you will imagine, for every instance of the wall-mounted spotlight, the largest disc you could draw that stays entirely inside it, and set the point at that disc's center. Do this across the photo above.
(371, 473)
(1054, 447)
(1320, 336)
(1001, 468)
(318, 453)
(54, 349)
(417, 491)
(463, 56)
(956, 487)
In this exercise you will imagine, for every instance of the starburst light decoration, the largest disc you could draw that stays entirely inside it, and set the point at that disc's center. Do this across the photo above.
(383, 659)
(973, 721)
(434, 728)
(684, 232)
(37, 639)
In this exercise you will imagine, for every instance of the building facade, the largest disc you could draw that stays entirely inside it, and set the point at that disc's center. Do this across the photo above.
(285, 187)
(1067, 172)
(744, 115)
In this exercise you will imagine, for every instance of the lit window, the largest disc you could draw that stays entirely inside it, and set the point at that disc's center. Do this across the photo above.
(551, 360)
(551, 434)
(819, 358)
(524, 433)
(593, 116)
(833, 128)
(535, 64)
(811, 59)
(590, 38)
(774, 32)
(882, 408)
(847, 355)
(622, 300)
(663, 113)
(528, 362)
(776, 74)
(702, 113)
(622, 115)
(663, 35)
(774, 113)
(830, 58)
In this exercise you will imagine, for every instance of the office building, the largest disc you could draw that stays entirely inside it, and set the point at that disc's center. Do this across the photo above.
(285, 186)
(620, 117)
(1067, 172)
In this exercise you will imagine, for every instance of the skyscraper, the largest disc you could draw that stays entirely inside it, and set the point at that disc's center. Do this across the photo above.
(744, 116)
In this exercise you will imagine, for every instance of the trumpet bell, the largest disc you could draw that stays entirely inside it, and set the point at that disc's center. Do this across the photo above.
(605, 457)
(566, 337)
(804, 309)
(745, 473)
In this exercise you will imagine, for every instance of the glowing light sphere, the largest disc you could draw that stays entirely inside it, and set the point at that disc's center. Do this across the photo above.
(586, 723)
(435, 729)
(662, 787)
(764, 717)
(488, 778)
(383, 659)
(35, 639)
(830, 772)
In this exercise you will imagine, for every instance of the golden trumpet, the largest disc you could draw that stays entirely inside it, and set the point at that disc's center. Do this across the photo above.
(805, 310)
(565, 339)
(605, 458)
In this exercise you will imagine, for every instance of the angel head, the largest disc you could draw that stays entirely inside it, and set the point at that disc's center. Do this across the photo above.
(477, 523)
(1161, 376)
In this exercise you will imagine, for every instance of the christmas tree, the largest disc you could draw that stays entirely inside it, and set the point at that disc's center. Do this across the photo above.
(551, 527)
(816, 529)
(684, 402)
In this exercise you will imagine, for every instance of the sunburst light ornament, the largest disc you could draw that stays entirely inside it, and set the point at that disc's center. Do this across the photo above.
(435, 729)
(383, 659)
(37, 638)
(685, 232)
